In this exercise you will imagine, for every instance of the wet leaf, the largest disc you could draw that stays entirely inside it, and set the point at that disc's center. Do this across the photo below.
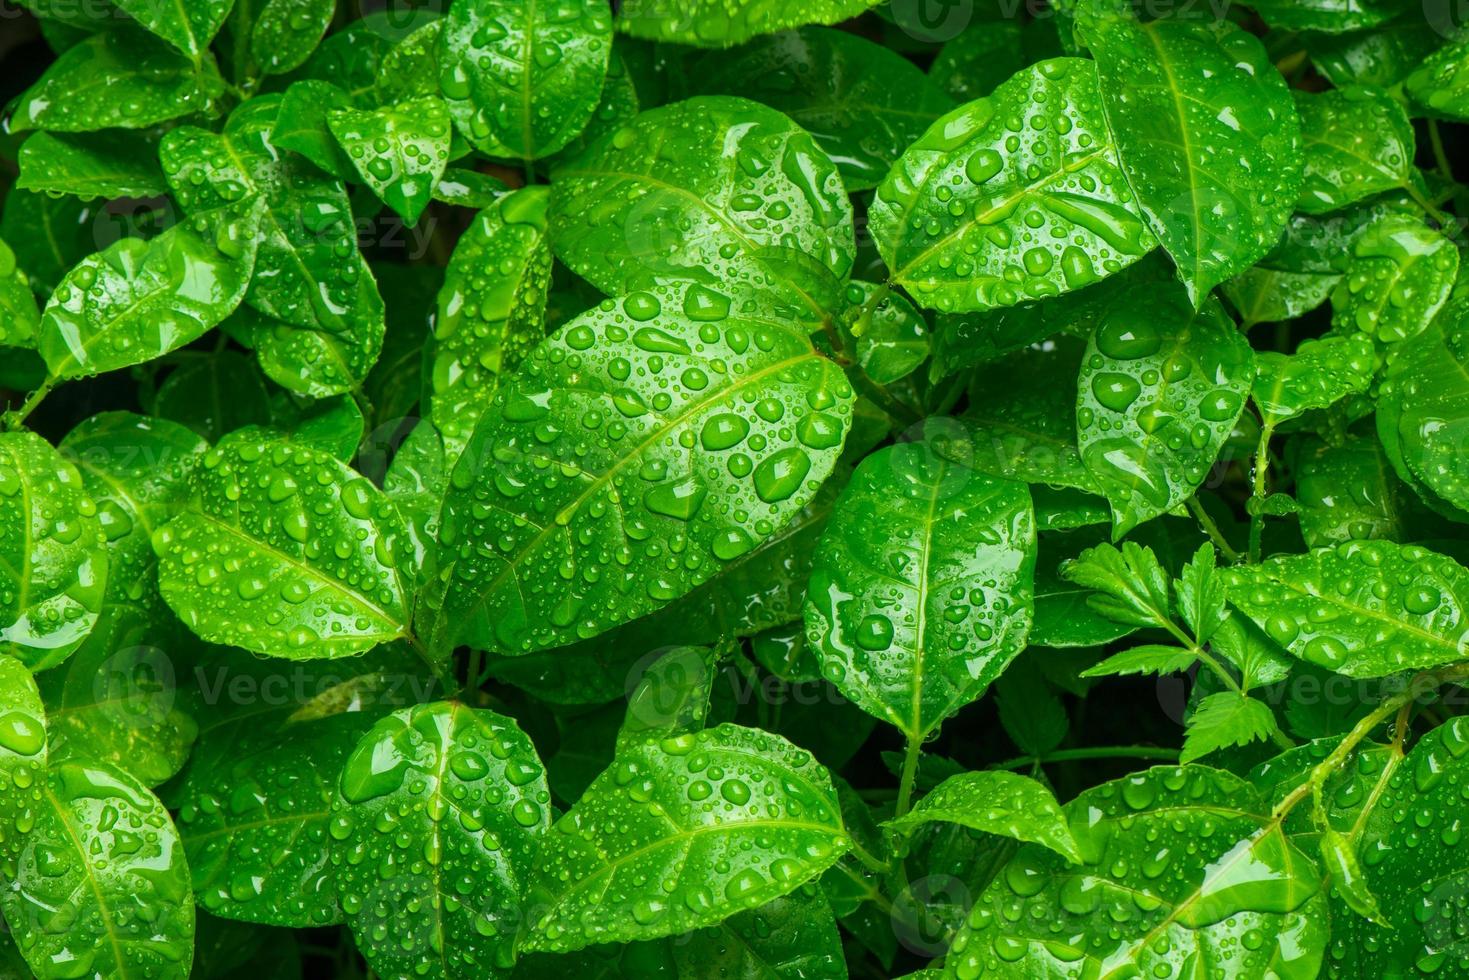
(1357, 142)
(1320, 373)
(20, 318)
(119, 163)
(22, 759)
(189, 25)
(1426, 405)
(993, 802)
(399, 150)
(1400, 275)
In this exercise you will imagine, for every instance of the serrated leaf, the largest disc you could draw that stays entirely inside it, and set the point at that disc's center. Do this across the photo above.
(54, 568)
(118, 163)
(1064, 616)
(1153, 892)
(1357, 142)
(972, 218)
(1364, 609)
(399, 150)
(994, 802)
(1147, 659)
(103, 847)
(717, 191)
(920, 593)
(466, 789)
(1133, 587)
(643, 819)
(1320, 373)
(1225, 719)
(669, 440)
(523, 79)
(1160, 389)
(245, 563)
(1208, 138)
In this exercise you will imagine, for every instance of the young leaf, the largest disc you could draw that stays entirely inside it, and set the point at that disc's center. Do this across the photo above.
(53, 559)
(994, 802)
(1401, 273)
(1161, 388)
(1319, 374)
(1208, 138)
(1201, 594)
(672, 392)
(465, 795)
(1364, 609)
(775, 826)
(1147, 659)
(722, 23)
(863, 103)
(285, 551)
(103, 848)
(416, 137)
(723, 192)
(892, 342)
(22, 759)
(973, 218)
(1179, 865)
(1133, 586)
(523, 79)
(1357, 142)
(1339, 860)
(1064, 616)
(921, 590)
(138, 300)
(301, 125)
(491, 308)
(118, 163)
(1225, 719)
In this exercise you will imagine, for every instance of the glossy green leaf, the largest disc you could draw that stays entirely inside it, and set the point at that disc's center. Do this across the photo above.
(891, 340)
(301, 125)
(103, 849)
(1133, 587)
(285, 551)
(715, 190)
(415, 135)
(1225, 719)
(214, 395)
(720, 23)
(54, 571)
(138, 300)
(118, 163)
(311, 361)
(1400, 275)
(971, 217)
(22, 759)
(522, 79)
(671, 697)
(1208, 138)
(1349, 492)
(464, 789)
(1334, 16)
(1181, 866)
(20, 317)
(994, 802)
(793, 936)
(116, 78)
(861, 102)
(468, 189)
(284, 33)
(410, 67)
(921, 590)
(1264, 295)
(1426, 402)
(672, 393)
(491, 308)
(1364, 608)
(1440, 81)
(1147, 659)
(726, 820)
(1357, 142)
(1381, 57)
(1160, 389)
(188, 25)
(1320, 373)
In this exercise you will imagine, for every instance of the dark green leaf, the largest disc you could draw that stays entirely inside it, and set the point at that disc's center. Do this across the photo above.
(118, 163)
(720, 23)
(214, 395)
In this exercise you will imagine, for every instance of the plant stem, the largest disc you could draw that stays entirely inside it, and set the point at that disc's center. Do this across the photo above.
(1210, 528)
(1427, 205)
(867, 858)
(910, 773)
(1092, 752)
(1257, 496)
(452, 687)
(15, 417)
(530, 172)
(1439, 156)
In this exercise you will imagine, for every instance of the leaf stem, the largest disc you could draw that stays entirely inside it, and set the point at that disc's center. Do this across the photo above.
(1257, 494)
(1439, 156)
(867, 858)
(1092, 752)
(910, 773)
(452, 687)
(1212, 529)
(1427, 205)
(15, 417)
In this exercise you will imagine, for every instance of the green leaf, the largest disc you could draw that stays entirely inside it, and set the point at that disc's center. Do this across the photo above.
(1334, 16)
(247, 563)
(53, 559)
(1263, 295)
(672, 393)
(972, 218)
(1030, 712)
(214, 395)
(22, 759)
(118, 163)
(994, 802)
(1339, 859)
(1180, 866)
(1349, 492)
(1148, 659)
(399, 150)
(976, 62)
(491, 308)
(188, 25)
(468, 189)
(138, 300)
(671, 697)
(717, 191)
(863, 103)
(301, 125)
(1357, 142)
(316, 362)
(1200, 592)
(1440, 82)
(51, 234)
(116, 78)
(722, 23)
(1319, 374)
(523, 79)
(1133, 587)
(464, 788)
(793, 936)
(894, 338)
(1225, 719)
(921, 590)
(1364, 609)
(283, 33)
(410, 67)
(1064, 616)
(1381, 57)
(103, 848)
(1208, 138)
(775, 826)
(1427, 394)
(1401, 273)
(1161, 388)
(20, 318)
